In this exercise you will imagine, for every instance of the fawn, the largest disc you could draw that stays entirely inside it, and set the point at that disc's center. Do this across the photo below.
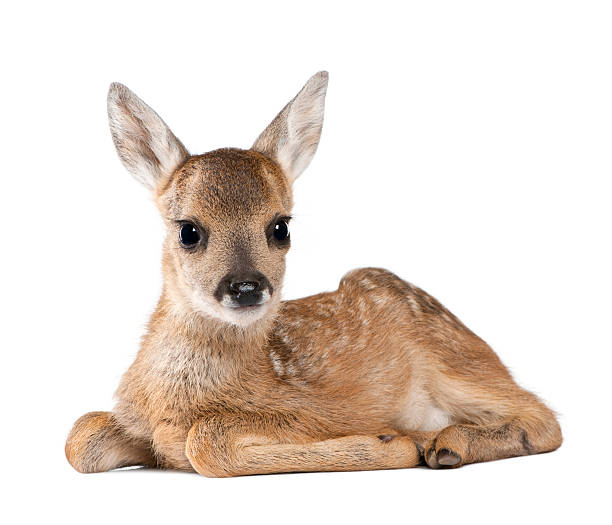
(230, 380)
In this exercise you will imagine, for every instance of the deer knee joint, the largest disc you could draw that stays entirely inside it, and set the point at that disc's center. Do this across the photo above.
(210, 451)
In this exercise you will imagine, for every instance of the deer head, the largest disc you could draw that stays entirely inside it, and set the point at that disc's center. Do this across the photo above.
(226, 212)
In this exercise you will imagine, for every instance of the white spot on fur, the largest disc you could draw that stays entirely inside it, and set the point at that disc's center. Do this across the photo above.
(379, 297)
(276, 363)
(285, 338)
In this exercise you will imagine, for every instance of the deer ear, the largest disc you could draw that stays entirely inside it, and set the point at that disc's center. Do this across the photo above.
(145, 144)
(293, 136)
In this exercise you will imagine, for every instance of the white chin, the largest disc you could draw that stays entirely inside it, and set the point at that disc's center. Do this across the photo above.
(245, 315)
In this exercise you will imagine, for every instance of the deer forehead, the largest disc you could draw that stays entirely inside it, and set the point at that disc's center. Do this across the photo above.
(227, 185)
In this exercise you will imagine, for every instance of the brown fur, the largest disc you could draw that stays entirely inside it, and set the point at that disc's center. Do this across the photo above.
(377, 374)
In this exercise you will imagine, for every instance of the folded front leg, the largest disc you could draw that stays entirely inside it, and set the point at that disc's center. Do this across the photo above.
(97, 443)
(219, 448)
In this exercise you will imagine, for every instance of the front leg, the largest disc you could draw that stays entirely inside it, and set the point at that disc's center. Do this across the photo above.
(223, 447)
(97, 443)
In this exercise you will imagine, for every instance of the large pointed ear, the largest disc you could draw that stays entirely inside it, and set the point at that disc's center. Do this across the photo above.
(293, 136)
(146, 146)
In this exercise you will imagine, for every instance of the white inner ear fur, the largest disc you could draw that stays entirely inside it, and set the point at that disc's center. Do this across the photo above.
(293, 136)
(145, 144)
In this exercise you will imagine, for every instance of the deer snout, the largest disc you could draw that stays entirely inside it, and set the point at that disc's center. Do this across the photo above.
(244, 289)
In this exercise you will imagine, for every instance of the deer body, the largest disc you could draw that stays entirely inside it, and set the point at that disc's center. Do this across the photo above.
(229, 380)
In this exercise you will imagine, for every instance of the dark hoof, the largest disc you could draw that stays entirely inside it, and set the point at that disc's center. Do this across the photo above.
(448, 458)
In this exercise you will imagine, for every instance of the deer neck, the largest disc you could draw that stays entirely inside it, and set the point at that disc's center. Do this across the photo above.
(236, 348)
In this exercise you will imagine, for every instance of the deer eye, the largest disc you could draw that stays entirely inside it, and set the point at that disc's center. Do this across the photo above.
(189, 235)
(281, 230)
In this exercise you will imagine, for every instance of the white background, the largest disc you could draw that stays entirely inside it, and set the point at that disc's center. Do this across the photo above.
(466, 147)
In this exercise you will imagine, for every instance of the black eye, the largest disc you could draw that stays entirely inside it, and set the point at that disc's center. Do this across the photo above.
(281, 230)
(189, 235)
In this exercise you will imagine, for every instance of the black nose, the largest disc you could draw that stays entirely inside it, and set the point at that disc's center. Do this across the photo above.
(244, 288)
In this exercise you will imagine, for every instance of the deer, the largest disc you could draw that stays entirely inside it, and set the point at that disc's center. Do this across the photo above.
(230, 380)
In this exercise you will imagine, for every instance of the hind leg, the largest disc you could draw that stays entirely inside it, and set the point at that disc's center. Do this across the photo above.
(97, 443)
(531, 431)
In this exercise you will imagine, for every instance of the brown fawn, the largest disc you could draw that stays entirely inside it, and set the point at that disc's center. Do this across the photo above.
(230, 380)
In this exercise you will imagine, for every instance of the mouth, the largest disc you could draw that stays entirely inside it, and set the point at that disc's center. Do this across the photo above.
(244, 307)
(245, 314)
(247, 302)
